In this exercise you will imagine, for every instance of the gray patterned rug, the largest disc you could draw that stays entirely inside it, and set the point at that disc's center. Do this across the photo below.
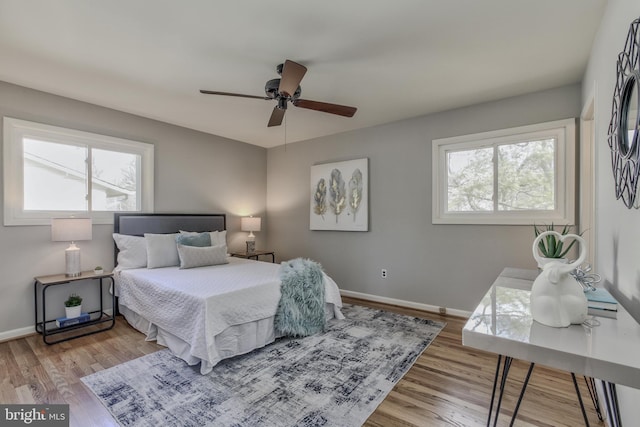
(335, 378)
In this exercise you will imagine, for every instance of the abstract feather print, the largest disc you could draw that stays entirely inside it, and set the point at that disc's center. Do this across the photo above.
(355, 192)
(320, 198)
(340, 189)
(338, 193)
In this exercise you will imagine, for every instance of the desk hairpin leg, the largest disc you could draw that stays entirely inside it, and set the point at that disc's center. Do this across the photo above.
(611, 399)
(493, 392)
(503, 381)
(614, 398)
(524, 388)
(593, 393)
(584, 413)
(505, 373)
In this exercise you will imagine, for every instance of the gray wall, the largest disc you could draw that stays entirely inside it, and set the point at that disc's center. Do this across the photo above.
(618, 228)
(194, 172)
(440, 265)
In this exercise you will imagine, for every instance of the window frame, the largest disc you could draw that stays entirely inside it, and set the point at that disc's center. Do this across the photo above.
(15, 130)
(565, 167)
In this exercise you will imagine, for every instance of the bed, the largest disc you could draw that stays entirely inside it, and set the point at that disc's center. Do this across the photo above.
(203, 314)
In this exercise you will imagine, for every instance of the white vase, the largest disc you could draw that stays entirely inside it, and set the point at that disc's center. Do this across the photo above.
(73, 312)
(544, 261)
(557, 299)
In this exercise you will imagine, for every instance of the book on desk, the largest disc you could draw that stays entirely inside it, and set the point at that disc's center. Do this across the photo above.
(601, 303)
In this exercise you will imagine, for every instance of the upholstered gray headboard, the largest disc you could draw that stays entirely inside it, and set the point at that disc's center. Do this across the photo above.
(137, 224)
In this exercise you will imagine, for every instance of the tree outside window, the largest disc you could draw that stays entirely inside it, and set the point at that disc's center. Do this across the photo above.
(525, 177)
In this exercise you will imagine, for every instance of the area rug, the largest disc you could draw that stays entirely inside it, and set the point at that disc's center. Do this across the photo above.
(334, 378)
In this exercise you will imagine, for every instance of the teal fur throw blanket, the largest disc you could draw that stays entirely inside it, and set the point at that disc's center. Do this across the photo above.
(301, 307)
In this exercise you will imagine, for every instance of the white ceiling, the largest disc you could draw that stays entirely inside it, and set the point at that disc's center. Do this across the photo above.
(391, 59)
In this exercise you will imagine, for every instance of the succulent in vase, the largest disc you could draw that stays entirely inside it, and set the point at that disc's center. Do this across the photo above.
(551, 246)
(73, 306)
(74, 300)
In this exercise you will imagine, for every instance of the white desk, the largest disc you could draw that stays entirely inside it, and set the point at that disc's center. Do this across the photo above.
(502, 324)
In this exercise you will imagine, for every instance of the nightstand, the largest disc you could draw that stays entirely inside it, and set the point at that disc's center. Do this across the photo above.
(255, 255)
(97, 317)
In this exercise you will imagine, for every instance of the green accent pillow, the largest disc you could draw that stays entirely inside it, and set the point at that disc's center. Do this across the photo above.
(200, 239)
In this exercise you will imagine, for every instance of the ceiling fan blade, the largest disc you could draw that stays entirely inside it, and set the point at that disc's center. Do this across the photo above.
(292, 74)
(239, 95)
(276, 117)
(341, 110)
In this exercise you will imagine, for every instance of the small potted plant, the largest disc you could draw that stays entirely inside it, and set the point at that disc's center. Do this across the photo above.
(550, 246)
(98, 270)
(73, 306)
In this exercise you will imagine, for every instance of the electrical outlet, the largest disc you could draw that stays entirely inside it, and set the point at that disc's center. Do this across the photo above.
(383, 273)
(443, 310)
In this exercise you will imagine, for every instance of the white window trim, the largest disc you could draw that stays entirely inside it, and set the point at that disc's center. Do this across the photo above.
(563, 130)
(13, 161)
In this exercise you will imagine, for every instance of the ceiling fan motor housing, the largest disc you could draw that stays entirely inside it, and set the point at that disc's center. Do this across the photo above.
(271, 90)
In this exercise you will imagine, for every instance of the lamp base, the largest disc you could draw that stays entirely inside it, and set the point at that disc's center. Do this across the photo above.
(72, 261)
(251, 246)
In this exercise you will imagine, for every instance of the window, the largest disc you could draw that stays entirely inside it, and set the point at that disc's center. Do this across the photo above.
(54, 172)
(513, 176)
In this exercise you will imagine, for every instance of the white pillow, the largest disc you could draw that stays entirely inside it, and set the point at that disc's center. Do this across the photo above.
(132, 251)
(217, 237)
(200, 256)
(161, 250)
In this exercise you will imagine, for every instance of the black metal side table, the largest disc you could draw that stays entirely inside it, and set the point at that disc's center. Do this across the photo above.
(255, 255)
(43, 283)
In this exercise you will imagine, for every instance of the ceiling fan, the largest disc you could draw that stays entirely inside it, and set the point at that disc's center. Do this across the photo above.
(287, 89)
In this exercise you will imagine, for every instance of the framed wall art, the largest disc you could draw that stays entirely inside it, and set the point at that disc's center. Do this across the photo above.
(624, 128)
(340, 196)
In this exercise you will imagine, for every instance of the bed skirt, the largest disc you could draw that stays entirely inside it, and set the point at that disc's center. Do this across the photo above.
(233, 341)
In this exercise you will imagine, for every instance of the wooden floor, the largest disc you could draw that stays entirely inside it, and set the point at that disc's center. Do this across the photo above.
(449, 385)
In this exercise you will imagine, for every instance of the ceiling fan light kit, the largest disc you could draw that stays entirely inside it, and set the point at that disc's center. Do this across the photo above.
(287, 89)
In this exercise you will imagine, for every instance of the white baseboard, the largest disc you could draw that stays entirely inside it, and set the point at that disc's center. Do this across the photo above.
(16, 333)
(403, 303)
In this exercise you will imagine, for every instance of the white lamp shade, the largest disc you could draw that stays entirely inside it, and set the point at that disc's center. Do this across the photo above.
(70, 229)
(250, 223)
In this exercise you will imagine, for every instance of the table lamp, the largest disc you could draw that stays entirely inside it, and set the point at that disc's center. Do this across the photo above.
(250, 224)
(71, 230)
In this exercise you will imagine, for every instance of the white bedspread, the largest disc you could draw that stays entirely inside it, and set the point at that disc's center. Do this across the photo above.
(199, 303)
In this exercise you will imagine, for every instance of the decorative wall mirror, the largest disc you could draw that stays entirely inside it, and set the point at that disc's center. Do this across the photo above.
(624, 128)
